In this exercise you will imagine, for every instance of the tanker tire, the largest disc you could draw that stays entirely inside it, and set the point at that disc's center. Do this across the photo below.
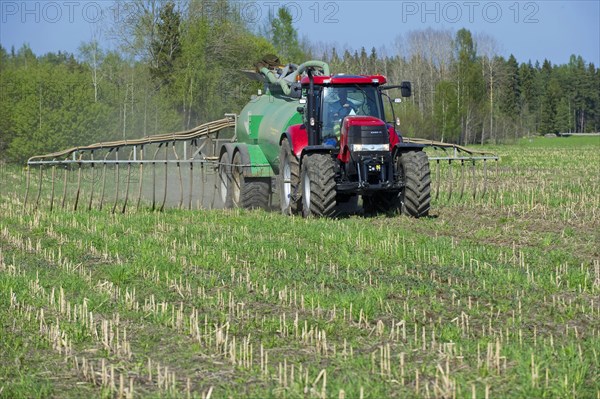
(416, 194)
(290, 196)
(246, 192)
(318, 186)
(256, 193)
(224, 181)
(236, 182)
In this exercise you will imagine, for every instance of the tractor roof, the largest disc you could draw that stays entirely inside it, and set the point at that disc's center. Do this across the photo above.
(346, 80)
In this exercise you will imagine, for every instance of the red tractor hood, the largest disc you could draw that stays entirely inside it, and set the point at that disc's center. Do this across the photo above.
(368, 121)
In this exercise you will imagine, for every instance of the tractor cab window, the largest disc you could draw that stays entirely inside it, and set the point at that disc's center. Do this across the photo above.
(341, 101)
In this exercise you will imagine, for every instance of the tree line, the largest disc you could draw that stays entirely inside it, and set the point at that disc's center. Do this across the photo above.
(465, 92)
(178, 64)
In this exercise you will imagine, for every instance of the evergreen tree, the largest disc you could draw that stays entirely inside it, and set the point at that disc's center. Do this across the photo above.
(362, 61)
(563, 116)
(529, 96)
(348, 61)
(285, 37)
(511, 89)
(593, 105)
(470, 85)
(373, 66)
(165, 45)
(334, 60)
(550, 93)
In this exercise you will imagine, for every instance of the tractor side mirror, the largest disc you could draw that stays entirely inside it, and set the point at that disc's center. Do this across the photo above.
(406, 89)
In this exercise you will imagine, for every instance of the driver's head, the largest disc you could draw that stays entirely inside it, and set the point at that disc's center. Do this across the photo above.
(342, 95)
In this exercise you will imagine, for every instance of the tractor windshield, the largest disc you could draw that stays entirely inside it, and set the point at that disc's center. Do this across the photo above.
(341, 101)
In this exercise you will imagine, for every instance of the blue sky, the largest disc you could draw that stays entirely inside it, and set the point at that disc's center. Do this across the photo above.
(531, 30)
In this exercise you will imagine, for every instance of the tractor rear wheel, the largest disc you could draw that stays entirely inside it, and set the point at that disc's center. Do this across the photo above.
(248, 192)
(318, 185)
(289, 180)
(415, 197)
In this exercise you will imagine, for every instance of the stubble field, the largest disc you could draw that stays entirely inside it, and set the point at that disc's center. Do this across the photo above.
(495, 295)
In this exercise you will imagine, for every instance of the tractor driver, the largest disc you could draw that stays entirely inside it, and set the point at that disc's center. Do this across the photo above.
(337, 107)
(341, 108)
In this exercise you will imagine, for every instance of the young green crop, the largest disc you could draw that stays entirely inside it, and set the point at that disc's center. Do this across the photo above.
(495, 296)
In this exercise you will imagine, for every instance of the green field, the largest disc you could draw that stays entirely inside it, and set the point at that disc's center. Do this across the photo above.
(497, 294)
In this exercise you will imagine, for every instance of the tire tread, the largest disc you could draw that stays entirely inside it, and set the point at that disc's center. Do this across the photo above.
(321, 168)
(417, 189)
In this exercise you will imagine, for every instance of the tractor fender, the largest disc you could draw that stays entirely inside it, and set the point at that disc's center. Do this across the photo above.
(401, 148)
(297, 136)
(317, 149)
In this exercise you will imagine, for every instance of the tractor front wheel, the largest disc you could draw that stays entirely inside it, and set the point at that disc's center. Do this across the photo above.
(318, 185)
(415, 197)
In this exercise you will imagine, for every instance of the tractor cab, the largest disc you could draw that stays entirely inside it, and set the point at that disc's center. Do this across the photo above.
(341, 101)
(334, 98)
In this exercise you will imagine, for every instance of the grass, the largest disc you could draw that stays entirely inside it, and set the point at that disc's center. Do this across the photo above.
(492, 296)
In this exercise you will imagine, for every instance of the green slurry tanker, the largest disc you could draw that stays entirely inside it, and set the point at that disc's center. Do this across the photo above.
(324, 141)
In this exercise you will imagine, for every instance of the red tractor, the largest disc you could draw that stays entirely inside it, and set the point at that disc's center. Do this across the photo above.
(344, 148)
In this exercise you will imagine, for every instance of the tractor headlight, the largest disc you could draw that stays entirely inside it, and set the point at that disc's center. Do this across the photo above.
(371, 147)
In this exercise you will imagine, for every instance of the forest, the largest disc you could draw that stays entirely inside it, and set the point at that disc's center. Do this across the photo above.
(178, 64)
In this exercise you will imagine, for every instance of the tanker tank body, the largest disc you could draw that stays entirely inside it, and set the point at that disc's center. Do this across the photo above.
(262, 121)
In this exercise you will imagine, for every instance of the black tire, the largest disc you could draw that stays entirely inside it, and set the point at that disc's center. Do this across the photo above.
(256, 193)
(248, 192)
(224, 181)
(415, 197)
(236, 181)
(318, 185)
(290, 197)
